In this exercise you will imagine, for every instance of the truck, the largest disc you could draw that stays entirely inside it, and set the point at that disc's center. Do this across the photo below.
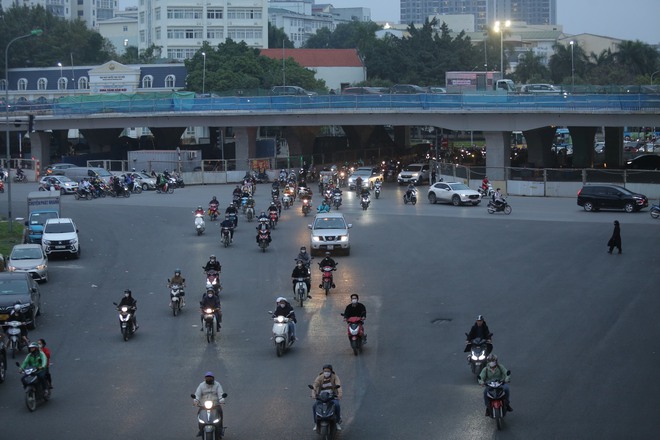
(41, 205)
(467, 82)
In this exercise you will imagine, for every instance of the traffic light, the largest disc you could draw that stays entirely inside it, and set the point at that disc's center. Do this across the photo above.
(30, 123)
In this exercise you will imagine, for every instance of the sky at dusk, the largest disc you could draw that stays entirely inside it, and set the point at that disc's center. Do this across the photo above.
(623, 19)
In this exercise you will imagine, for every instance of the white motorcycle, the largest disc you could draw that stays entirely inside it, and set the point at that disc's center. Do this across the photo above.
(249, 213)
(15, 341)
(281, 336)
(200, 226)
(301, 290)
(287, 201)
(176, 298)
(487, 192)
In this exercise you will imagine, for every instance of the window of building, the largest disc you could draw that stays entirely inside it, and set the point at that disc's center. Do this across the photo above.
(157, 33)
(3, 85)
(181, 54)
(244, 33)
(83, 83)
(62, 83)
(80, 14)
(244, 13)
(184, 13)
(157, 14)
(141, 17)
(147, 82)
(185, 33)
(81, 2)
(214, 13)
(215, 33)
(142, 38)
(125, 28)
(22, 84)
(170, 80)
(41, 84)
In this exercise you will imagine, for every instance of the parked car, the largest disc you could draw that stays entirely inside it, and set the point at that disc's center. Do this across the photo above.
(364, 91)
(330, 233)
(644, 162)
(415, 173)
(369, 176)
(19, 288)
(607, 196)
(547, 89)
(406, 89)
(290, 91)
(29, 258)
(58, 168)
(434, 89)
(67, 186)
(144, 180)
(61, 236)
(455, 193)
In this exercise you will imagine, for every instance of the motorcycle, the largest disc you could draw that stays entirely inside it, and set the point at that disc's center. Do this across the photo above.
(377, 189)
(210, 418)
(225, 236)
(83, 193)
(306, 206)
(213, 281)
(364, 202)
(176, 297)
(286, 201)
(341, 180)
(35, 391)
(210, 323)
(496, 401)
(43, 187)
(655, 211)
(327, 281)
(410, 197)
(165, 189)
(178, 181)
(126, 323)
(486, 192)
(336, 200)
(234, 218)
(249, 213)
(15, 342)
(264, 235)
(272, 219)
(301, 290)
(122, 192)
(281, 336)
(244, 201)
(2, 186)
(324, 414)
(213, 212)
(274, 193)
(356, 335)
(503, 206)
(19, 178)
(200, 226)
(478, 352)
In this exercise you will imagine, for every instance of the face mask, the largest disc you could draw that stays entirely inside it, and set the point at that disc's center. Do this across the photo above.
(209, 381)
(327, 374)
(492, 364)
(354, 301)
(281, 305)
(209, 296)
(126, 295)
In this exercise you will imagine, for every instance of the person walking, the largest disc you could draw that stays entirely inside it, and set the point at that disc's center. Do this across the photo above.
(615, 240)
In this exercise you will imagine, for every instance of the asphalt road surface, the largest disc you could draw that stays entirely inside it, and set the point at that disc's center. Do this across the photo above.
(576, 326)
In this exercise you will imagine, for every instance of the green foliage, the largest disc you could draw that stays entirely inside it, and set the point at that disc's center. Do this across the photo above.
(531, 69)
(277, 38)
(9, 239)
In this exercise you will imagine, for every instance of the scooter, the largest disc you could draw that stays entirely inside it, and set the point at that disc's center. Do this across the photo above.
(504, 206)
(655, 211)
(210, 418)
(478, 352)
(210, 323)
(272, 218)
(364, 202)
(410, 197)
(213, 281)
(200, 226)
(486, 192)
(301, 290)
(264, 236)
(213, 212)
(286, 201)
(234, 218)
(15, 342)
(176, 297)
(496, 401)
(306, 206)
(356, 335)
(327, 281)
(35, 391)
(281, 336)
(126, 323)
(377, 190)
(324, 414)
(225, 236)
(336, 200)
(249, 213)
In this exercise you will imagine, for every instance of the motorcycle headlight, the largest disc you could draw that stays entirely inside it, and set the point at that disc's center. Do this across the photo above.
(280, 319)
(124, 309)
(208, 312)
(216, 421)
(482, 357)
(208, 404)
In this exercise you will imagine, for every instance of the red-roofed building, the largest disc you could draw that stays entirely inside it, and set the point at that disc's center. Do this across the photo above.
(337, 67)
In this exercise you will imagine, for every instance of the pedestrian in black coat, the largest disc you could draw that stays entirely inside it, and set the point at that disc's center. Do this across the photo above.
(615, 240)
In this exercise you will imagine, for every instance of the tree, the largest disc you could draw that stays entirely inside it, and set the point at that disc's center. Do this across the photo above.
(638, 57)
(278, 38)
(531, 69)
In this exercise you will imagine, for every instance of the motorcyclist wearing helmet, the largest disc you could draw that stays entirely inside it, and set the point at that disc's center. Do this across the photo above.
(213, 264)
(484, 184)
(358, 184)
(211, 300)
(479, 330)
(327, 261)
(178, 279)
(323, 207)
(237, 192)
(231, 209)
(356, 310)
(199, 210)
(498, 198)
(229, 224)
(211, 390)
(300, 271)
(131, 303)
(303, 256)
(214, 201)
(285, 309)
(18, 314)
(37, 359)
(263, 225)
(410, 189)
(328, 380)
(495, 371)
(273, 208)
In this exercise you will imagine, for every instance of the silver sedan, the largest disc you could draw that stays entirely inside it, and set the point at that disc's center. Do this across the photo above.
(29, 258)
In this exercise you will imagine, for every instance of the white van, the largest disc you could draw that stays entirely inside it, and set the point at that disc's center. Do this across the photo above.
(78, 173)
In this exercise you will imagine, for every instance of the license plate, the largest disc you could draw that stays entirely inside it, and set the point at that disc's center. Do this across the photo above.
(330, 247)
(60, 247)
(4, 317)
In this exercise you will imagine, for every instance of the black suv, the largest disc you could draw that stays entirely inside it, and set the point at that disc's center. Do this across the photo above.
(605, 196)
(19, 288)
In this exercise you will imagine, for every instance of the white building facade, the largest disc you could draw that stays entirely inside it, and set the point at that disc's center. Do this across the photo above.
(179, 27)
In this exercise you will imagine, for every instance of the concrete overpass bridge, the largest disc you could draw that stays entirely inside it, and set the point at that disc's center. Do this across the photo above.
(497, 115)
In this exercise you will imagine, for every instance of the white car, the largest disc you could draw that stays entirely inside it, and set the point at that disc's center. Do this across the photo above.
(60, 236)
(453, 192)
(67, 185)
(415, 173)
(330, 233)
(369, 176)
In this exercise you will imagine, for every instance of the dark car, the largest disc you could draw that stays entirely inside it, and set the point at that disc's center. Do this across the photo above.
(644, 162)
(406, 89)
(605, 196)
(19, 288)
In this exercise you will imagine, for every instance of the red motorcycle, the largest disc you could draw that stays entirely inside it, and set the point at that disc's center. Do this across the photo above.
(356, 334)
(272, 216)
(264, 239)
(327, 282)
(2, 186)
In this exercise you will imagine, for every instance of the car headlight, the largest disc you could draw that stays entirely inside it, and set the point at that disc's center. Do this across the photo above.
(343, 238)
(11, 268)
(46, 242)
(316, 238)
(41, 267)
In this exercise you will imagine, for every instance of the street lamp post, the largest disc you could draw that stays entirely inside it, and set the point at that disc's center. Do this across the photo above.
(572, 43)
(204, 73)
(499, 27)
(33, 33)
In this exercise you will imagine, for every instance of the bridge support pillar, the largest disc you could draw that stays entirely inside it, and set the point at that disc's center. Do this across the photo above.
(613, 147)
(246, 144)
(498, 154)
(167, 138)
(402, 136)
(40, 147)
(101, 139)
(301, 141)
(539, 147)
(583, 146)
